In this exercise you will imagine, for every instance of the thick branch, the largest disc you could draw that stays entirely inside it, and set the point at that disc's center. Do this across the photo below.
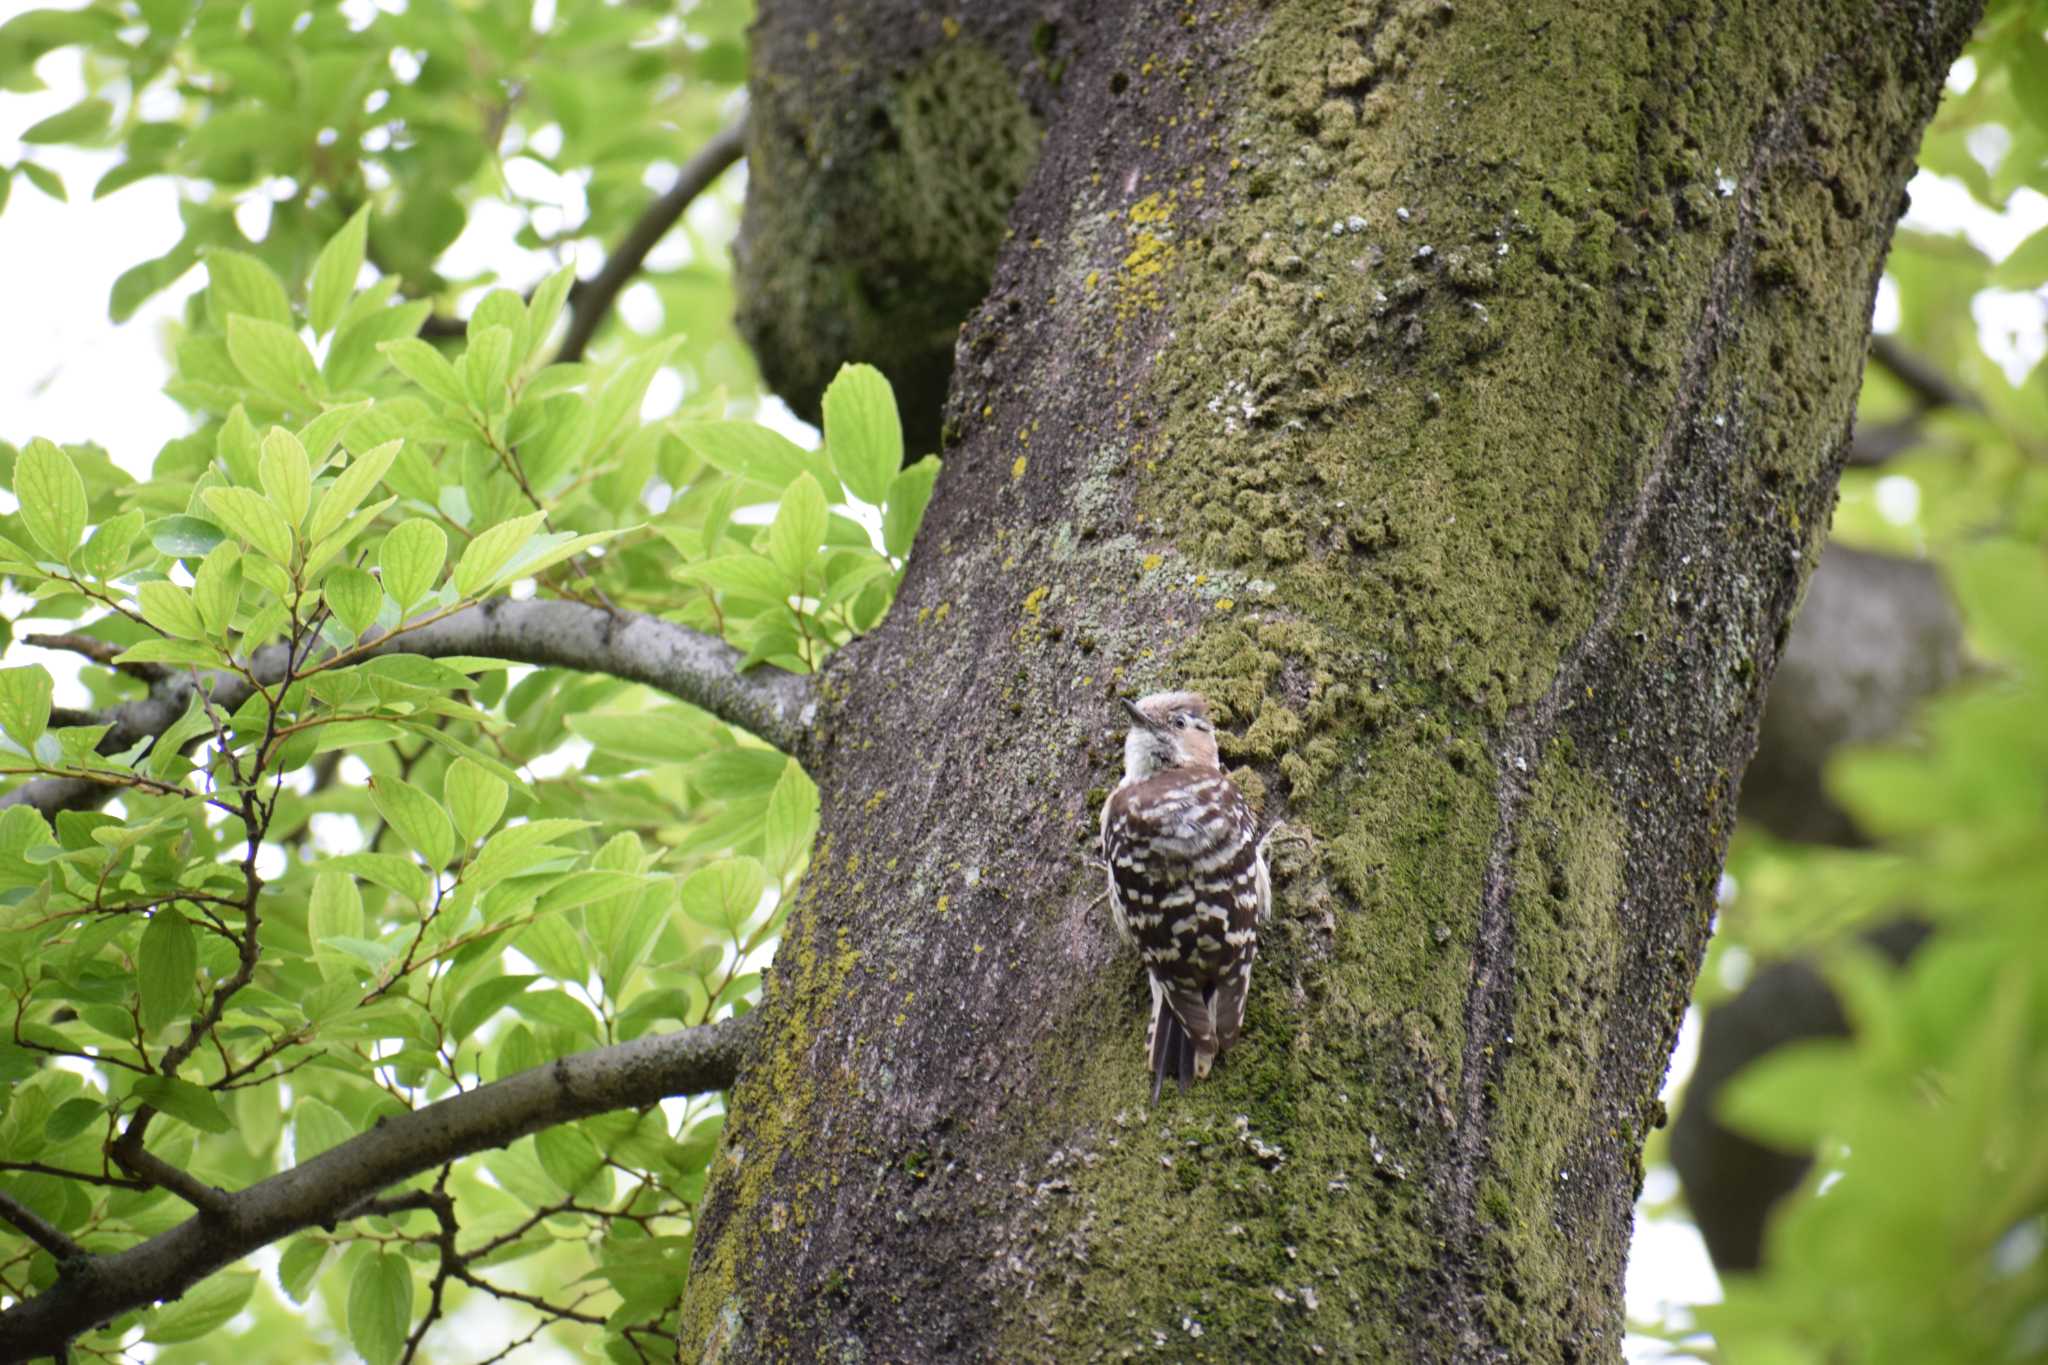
(698, 668)
(591, 301)
(325, 1189)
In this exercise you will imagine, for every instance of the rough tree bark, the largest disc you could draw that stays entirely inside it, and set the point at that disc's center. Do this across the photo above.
(1456, 396)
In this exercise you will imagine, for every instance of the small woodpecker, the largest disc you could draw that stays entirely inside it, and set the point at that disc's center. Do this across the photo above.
(1188, 882)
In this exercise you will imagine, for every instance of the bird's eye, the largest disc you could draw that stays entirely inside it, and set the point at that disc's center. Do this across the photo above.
(1180, 722)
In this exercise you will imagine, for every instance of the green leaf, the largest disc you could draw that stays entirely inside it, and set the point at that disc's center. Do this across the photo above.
(273, 359)
(318, 1127)
(724, 894)
(286, 475)
(335, 908)
(1793, 1097)
(476, 798)
(545, 309)
(743, 575)
(205, 1307)
(239, 283)
(863, 434)
(52, 497)
(47, 180)
(798, 529)
(426, 367)
(183, 537)
(568, 1156)
(903, 509)
(491, 551)
(182, 1101)
(72, 1118)
(170, 609)
(349, 489)
(165, 965)
(792, 820)
(411, 560)
(253, 517)
(380, 1307)
(746, 449)
(25, 704)
(482, 1001)
(354, 596)
(82, 122)
(179, 652)
(106, 554)
(486, 365)
(2026, 267)
(300, 1264)
(334, 274)
(217, 587)
(417, 817)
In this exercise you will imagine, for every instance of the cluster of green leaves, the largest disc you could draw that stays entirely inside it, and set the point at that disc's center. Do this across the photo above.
(349, 880)
(1922, 1232)
(417, 109)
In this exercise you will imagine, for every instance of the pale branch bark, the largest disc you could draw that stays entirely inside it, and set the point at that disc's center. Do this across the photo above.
(775, 705)
(340, 1182)
(592, 300)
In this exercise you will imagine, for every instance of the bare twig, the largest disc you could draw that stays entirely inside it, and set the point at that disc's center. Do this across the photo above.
(66, 1173)
(590, 302)
(320, 1191)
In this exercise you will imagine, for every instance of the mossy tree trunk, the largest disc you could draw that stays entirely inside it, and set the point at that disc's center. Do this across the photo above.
(1457, 397)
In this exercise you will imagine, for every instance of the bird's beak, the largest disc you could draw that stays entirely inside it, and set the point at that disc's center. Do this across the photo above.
(1137, 716)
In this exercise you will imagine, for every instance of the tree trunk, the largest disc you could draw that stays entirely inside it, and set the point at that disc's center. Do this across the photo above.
(1456, 396)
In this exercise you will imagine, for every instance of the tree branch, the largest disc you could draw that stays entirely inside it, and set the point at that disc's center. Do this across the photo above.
(50, 1238)
(590, 302)
(315, 1193)
(1921, 377)
(697, 668)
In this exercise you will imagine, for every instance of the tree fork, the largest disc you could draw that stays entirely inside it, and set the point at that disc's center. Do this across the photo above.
(1457, 397)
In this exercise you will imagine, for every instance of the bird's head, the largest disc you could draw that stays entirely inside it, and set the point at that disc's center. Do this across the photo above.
(1168, 730)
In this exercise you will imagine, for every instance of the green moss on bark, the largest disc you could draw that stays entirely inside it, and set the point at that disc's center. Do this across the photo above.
(871, 233)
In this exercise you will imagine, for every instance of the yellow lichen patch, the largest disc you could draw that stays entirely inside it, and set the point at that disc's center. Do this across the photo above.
(1090, 282)
(1017, 469)
(1034, 601)
(1148, 256)
(1224, 604)
(945, 904)
(1153, 208)
(1151, 562)
(941, 612)
(949, 26)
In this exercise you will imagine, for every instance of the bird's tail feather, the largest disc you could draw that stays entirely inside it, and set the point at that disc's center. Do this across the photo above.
(1172, 1050)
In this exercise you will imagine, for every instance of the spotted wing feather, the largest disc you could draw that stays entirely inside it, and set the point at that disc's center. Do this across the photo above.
(1187, 888)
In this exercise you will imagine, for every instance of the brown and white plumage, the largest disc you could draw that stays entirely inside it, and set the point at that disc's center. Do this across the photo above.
(1187, 881)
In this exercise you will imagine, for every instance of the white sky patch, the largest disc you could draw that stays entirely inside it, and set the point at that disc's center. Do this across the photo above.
(1898, 499)
(1884, 313)
(2012, 328)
